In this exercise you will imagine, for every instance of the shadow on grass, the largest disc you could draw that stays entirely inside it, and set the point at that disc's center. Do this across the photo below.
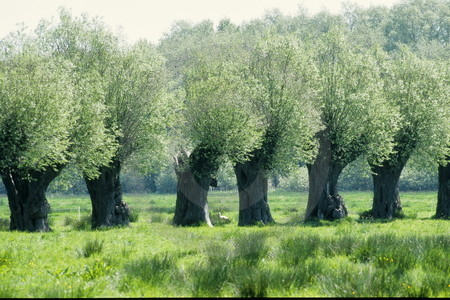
(367, 217)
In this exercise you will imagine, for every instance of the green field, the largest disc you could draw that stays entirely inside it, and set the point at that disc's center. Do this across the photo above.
(408, 257)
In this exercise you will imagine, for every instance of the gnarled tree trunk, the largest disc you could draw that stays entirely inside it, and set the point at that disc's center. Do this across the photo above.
(108, 208)
(252, 185)
(386, 198)
(386, 177)
(194, 174)
(27, 202)
(324, 201)
(443, 204)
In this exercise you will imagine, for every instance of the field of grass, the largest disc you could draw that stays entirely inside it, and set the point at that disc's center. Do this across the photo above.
(353, 257)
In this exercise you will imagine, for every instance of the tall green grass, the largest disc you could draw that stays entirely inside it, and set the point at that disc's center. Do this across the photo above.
(353, 257)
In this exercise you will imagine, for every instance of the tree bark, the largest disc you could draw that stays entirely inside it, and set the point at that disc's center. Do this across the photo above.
(386, 177)
(27, 201)
(252, 185)
(324, 201)
(443, 204)
(386, 198)
(194, 177)
(108, 207)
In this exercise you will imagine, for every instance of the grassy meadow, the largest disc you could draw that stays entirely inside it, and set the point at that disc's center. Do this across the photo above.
(353, 257)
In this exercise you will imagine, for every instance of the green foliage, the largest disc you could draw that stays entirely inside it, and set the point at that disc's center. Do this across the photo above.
(286, 77)
(296, 180)
(216, 111)
(357, 118)
(412, 22)
(167, 181)
(36, 99)
(417, 87)
(138, 104)
(87, 45)
(122, 104)
(68, 182)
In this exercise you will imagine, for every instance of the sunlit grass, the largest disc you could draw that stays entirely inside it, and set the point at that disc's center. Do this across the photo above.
(152, 258)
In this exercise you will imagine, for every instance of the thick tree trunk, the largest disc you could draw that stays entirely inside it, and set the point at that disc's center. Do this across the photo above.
(194, 175)
(443, 204)
(27, 202)
(252, 185)
(386, 198)
(324, 201)
(108, 208)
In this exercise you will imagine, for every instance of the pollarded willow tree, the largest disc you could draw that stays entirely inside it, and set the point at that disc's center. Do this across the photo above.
(36, 100)
(418, 87)
(44, 127)
(285, 76)
(138, 104)
(219, 125)
(129, 82)
(355, 117)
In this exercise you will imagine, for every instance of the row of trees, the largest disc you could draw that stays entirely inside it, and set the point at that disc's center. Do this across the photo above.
(263, 96)
(74, 93)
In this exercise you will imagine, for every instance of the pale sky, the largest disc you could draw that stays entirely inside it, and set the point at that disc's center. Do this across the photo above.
(149, 19)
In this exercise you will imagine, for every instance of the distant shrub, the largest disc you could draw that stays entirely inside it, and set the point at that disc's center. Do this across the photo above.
(133, 182)
(296, 181)
(166, 182)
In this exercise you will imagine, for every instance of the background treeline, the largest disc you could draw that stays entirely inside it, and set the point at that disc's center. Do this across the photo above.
(356, 176)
